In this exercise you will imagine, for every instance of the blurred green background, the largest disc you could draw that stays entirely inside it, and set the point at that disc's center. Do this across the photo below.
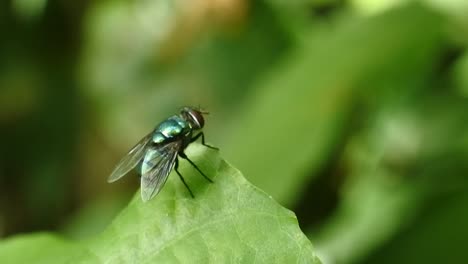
(353, 114)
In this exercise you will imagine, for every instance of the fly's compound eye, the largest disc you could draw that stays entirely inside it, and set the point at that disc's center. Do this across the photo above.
(194, 117)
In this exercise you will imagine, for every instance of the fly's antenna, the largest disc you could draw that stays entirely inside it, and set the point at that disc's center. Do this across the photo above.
(202, 111)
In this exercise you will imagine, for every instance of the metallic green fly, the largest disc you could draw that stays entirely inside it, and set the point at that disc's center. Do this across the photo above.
(159, 151)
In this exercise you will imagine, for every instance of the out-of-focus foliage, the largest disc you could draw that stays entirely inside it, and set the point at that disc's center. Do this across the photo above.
(229, 222)
(311, 95)
(351, 113)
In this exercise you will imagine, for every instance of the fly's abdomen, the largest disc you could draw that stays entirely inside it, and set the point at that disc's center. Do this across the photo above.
(151, 159)
(158, 138)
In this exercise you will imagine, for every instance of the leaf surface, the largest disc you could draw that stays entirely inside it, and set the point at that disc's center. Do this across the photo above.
(229, 221)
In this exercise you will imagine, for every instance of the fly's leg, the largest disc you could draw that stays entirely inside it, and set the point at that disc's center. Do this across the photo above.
(202, 135)
(182, 155)
(182, 178)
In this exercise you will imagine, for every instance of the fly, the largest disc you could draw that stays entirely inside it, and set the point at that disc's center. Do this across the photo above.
(159, 152)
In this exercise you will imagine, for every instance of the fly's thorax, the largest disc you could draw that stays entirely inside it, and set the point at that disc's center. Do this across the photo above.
(170, 129)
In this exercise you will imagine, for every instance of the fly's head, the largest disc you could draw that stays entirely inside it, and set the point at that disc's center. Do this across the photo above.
(194, 117)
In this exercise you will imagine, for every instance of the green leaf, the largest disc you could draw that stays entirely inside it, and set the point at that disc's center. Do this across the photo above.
(229, 221)
(40, 248)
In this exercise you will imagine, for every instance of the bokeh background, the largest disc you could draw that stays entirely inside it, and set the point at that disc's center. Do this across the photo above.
(353, 114)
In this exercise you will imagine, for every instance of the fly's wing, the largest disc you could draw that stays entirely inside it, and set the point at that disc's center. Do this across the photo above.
(156, 167)
(130, 160)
